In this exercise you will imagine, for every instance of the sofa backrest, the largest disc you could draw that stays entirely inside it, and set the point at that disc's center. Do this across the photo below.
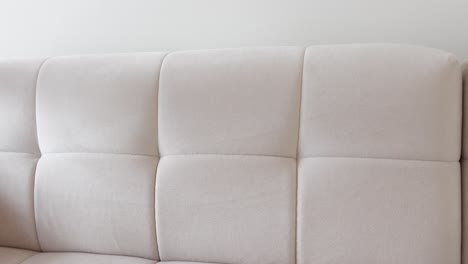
(328, 154)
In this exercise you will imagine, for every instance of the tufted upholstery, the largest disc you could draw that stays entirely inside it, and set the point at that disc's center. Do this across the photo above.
(328, 154)
(379, 150)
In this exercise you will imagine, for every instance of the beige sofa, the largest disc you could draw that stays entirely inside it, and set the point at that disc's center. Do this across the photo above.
(344, 154)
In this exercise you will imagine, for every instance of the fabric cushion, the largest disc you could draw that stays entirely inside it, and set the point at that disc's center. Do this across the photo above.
(379, 149)
(97, 121)
(17, 220)
(209, 206)
(223, 156)
(18, 78)
(380, 210)
(228, 125)
(235, 101)
(19, 152)
(99, 203)
(14, 256)
(83, 258)
(381, 101)
(99, 103)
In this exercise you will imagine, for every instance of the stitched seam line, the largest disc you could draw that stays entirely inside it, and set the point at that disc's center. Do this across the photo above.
(378, 158)
(40, 153)
(98, 153)
(239, 155)
(90, 253)
(20, 153)
(296, 206)
(158, 254)
(24, 260)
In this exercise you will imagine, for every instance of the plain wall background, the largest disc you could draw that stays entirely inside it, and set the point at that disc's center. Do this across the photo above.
(62, 27)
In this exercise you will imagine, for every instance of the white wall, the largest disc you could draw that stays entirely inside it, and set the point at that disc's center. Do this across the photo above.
(59, 27)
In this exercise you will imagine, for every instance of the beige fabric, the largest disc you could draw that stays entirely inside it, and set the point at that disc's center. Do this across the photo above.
(17, 222)
(99, 103)
(226, 209)
(97, 126)
(99, 203)
(83, 258)
(354, 210)
(13, 255)
(17, 105)
(385, 107)
(18, 152)
(239, 101)
(228, 102)
(375, 129)
(381, 101)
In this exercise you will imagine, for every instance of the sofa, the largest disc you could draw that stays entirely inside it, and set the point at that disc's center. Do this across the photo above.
(277, 155)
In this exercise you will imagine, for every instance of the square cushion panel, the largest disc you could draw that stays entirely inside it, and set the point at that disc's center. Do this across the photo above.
(382, 211)
(226, 209)
(234, 101)
(83, 258)
(381, 101)
(17, 222)
(99, 203)
(14, 255)
(18, 79)
(99, 103)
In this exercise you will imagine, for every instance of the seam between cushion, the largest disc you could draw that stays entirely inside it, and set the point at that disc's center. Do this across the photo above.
(34, 203)
(20, 153)
(158, 257)
(35, 101)
(310, 157)
(99, 153)
(40, 152)
(90, 253)
(24, 260)
(378, 158)
(228, 155)
(100, 254)
(240, 155)
(296, 206)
